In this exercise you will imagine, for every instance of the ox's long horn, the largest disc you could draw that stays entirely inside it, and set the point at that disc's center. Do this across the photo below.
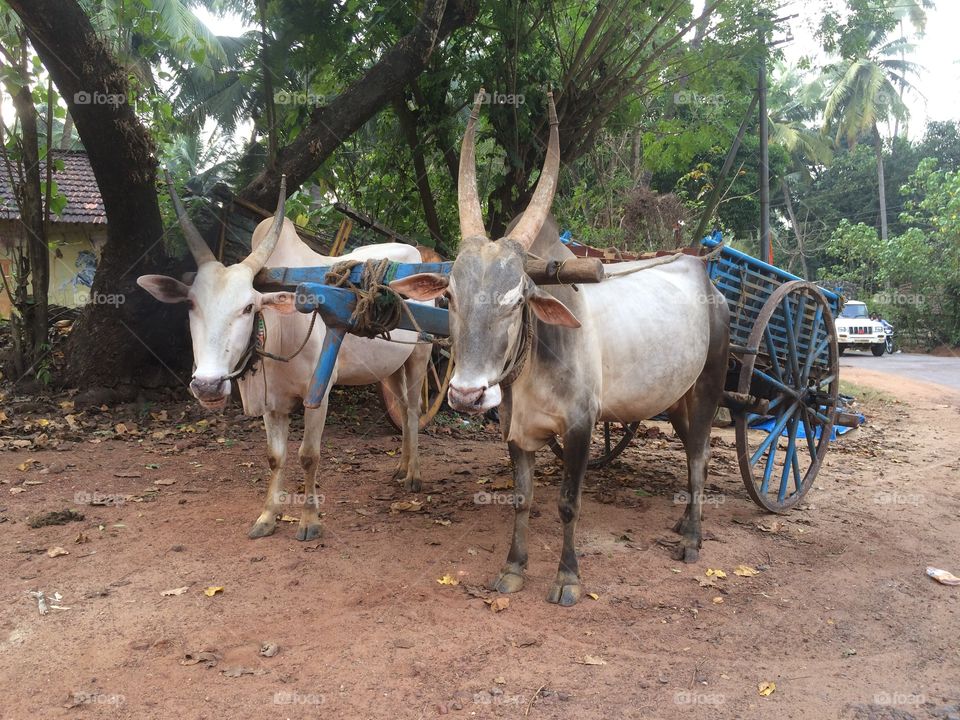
(468, 199)
(198, 247)
(258, 258)
(526, 231)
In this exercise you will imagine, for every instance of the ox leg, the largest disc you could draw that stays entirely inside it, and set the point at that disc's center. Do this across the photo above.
(678, 418)
(313, 421)
(277, 425)
(566, 589)
(406, 384)
(510, 578)
(699, 407)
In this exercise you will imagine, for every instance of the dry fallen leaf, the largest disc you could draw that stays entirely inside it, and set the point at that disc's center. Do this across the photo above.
(715, 573)
(212, 590)
(718, 600)
(56, 552)
(175, 591)
(445, 523)
(164, 481)
(406, 506)
(591, 660)
(745, 571)
(771, 527)
(448, 579)
(766, 688)
(498, 603)
(593, 595)
(288, 518)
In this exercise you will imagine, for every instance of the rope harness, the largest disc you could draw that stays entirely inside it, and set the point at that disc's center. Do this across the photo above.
(520, 351)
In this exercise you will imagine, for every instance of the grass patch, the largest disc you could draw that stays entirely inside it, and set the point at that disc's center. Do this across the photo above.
(864, 393)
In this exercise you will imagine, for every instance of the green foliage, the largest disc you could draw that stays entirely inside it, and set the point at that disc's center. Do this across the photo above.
(914, 278)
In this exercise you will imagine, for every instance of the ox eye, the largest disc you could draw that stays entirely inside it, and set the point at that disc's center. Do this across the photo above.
(248, 309)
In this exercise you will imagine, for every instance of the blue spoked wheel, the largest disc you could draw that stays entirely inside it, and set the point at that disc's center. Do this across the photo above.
(794, 363)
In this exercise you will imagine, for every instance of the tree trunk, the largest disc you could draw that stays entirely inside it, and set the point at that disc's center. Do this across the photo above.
(408, 126)
(116, 339)
(30, 204)
(330, 124)
(788, 201)
(881, 184)
(66, 138)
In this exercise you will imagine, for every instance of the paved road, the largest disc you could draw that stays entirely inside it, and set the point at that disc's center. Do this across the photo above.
(940, 370)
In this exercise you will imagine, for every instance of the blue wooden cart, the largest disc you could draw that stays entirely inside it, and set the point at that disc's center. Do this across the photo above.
(782, 385)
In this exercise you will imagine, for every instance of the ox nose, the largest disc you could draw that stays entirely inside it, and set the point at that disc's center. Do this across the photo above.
(208, 389)
(465, 397)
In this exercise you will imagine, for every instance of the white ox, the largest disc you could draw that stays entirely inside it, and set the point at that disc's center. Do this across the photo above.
(223, 307)
(651, 338)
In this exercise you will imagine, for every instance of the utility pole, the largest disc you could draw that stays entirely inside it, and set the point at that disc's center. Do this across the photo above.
(764, 156)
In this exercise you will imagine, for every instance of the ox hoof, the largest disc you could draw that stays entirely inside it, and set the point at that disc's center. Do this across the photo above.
(310, 531)
(507, 582)
(565, 595)
(686, 554)
(412, 484)
(262, 529)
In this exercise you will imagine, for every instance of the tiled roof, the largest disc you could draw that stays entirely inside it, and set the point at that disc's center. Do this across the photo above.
(75, 180)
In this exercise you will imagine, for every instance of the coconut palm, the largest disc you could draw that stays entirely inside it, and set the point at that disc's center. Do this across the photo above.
(863, 92)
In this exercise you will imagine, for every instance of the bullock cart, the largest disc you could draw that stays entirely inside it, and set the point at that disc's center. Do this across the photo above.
(782, 384)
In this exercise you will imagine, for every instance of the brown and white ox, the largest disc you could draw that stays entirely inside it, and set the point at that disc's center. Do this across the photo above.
(223, 307)
(625, 349)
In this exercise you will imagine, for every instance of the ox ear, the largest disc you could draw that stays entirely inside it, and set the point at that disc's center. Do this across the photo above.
(163, 288)
(423, 286)
(550, 310)
(284, 303)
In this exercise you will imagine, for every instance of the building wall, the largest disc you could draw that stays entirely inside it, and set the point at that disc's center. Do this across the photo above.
(74, 251)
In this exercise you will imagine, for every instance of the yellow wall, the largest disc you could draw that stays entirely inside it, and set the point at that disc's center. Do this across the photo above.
(67, 241)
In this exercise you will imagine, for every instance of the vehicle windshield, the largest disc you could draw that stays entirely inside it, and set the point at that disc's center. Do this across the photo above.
(854, 311)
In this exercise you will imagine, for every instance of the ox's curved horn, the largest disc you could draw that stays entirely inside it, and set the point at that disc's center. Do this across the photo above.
(258, 258)
(198, 247)
(468, 200)
(526, 231)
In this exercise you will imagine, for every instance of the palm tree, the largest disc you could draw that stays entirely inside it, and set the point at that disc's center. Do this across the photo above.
(792, 111)
(862, 92)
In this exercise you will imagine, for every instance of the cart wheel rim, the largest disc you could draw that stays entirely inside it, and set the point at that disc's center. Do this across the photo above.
(795, 335)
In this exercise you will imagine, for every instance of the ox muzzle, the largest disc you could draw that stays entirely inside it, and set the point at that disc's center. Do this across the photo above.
(473, 399)
(212, 393)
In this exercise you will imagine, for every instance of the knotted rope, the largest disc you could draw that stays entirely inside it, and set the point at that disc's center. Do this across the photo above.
(379, 307)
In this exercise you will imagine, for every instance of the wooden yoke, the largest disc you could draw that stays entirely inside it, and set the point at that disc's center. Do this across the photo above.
(564, 272)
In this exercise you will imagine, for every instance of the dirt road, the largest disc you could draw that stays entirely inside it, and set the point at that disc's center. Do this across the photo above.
(840, 618)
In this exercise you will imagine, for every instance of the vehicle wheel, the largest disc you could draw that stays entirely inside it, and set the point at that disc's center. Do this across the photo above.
(889, 344)
(796, 368)
(439, 372)
(878, 349)
(840, 349)
(613, 441)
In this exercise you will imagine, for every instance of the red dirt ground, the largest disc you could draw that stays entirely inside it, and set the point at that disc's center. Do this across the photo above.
(841, 617)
